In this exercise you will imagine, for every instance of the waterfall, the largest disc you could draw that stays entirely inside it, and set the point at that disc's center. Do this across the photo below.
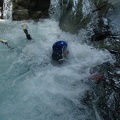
(74, 8)
(86, 9)
(55, 9)
(7, 9)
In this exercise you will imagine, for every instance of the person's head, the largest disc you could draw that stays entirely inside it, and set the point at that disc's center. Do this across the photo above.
(59, 50)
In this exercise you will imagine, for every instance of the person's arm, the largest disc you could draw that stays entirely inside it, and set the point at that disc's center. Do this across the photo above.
(5, 43)
(27, 34)
(24, 27)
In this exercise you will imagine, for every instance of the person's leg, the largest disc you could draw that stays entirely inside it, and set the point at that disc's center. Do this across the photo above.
(27, 34)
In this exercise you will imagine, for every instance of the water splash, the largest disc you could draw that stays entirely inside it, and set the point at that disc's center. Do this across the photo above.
(33, 87)
(7, 9)
(55, 9)
(86, 9)
(74, 8)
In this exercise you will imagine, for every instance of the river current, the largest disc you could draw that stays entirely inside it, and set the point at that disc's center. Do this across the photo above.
(31, 87)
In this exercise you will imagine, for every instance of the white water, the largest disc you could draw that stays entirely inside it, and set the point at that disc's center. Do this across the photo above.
(31, 88)
(55, 9)
(7, 9)
(74, 7)
(86, 9)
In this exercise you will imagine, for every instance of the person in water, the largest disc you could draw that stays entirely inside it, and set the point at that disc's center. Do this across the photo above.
(59, 48)
(59, 51)
(5, 43)
(24, 26)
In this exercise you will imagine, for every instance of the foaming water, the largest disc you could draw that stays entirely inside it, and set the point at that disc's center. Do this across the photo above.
(86, 9)
(31, 87)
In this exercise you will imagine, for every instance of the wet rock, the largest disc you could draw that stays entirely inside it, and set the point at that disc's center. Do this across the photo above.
(97, 77)
(98, 36)
(21, 14)
(30, 9)
(99, 7)
(36, 15)
(101, 29)
(102, 7)
(106, 96)
(1, 3)
(1, 9)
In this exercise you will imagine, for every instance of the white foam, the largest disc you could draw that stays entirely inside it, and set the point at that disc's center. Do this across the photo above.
(35, 88)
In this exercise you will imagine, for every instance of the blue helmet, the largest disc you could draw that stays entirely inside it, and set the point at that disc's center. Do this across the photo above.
(59, 49)
(59, 45)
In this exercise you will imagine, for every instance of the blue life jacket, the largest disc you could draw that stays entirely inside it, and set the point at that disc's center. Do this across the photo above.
(59, 49)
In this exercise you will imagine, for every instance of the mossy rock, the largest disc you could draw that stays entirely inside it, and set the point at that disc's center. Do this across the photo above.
(20, 15)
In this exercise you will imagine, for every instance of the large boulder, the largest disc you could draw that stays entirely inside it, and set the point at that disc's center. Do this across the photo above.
(30, 9)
